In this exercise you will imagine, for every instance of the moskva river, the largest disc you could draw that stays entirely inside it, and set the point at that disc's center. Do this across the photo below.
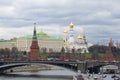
(57, 74)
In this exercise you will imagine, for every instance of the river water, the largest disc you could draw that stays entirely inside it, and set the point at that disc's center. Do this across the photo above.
(60, 74)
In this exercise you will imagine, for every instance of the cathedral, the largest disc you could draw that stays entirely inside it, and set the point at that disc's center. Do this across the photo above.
(79, 46)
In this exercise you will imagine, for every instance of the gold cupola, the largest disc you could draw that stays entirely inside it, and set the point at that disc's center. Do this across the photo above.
(79, 37)
(71, 25)
(65, 31)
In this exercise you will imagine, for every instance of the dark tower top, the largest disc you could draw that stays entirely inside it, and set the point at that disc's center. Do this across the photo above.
(34, 33)
(84, 38)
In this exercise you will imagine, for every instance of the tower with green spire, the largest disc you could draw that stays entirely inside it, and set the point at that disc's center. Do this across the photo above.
(34, 48)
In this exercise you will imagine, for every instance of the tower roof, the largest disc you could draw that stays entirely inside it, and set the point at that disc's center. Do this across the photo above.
(71, 25)
(79, 37)
(111, 41)
(34, 33)
(41, 33)
(65, 31)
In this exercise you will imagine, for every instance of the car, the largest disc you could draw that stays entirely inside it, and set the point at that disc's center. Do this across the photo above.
(115, 77)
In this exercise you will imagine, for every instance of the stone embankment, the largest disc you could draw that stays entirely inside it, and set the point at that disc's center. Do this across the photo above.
(32, 68)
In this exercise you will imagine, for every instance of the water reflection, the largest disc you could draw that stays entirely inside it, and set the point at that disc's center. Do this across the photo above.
(61, 74)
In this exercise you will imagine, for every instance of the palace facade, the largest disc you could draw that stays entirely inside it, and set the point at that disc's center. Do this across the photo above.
(45, 42)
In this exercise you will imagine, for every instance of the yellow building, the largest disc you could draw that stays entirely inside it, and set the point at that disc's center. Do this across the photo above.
(46, 43)
(7, 44)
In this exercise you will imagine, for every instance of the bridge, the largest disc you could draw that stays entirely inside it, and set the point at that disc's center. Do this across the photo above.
(74, 65)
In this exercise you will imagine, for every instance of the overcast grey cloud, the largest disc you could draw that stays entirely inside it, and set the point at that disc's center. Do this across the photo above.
(100, 19)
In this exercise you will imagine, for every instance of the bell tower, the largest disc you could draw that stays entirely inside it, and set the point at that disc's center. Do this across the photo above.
(34, 48)
(71, 34)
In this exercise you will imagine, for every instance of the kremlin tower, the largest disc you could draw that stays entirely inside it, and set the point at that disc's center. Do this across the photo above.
(34, 48)
(111, 43)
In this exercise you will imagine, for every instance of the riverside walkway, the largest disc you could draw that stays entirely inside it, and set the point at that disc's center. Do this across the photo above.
(99, 77)
(86, 77)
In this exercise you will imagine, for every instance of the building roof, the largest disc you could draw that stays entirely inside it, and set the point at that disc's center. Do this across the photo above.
(7, 42)
(56, 38)
(28, 36)
(42, 34)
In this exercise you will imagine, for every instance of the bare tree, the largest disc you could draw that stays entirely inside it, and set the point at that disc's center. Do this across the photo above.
(73, 50)
(2, 53)
(62, 50)
(14, 53)
(7, 52)
(44, 50)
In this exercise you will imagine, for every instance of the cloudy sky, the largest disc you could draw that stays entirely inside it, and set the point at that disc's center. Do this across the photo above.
(100, 19)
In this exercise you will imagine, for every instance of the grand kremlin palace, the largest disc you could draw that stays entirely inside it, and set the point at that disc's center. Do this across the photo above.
(46, 43)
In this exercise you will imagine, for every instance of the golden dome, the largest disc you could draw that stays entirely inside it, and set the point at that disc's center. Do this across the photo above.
(79, 37)
(71, 25)
(65, 31)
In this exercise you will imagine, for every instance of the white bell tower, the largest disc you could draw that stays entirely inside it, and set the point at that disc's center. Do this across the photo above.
(71, 34)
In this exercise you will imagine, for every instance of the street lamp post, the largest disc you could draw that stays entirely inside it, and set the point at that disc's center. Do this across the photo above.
(92, 70)
(102, 72)
(115, 63)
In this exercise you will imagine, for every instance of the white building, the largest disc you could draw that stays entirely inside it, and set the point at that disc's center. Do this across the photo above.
(79, 46)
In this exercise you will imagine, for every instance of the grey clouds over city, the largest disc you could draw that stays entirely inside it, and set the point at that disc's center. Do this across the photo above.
(100, 19)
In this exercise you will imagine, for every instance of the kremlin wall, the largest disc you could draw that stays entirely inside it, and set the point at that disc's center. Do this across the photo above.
(49, 44)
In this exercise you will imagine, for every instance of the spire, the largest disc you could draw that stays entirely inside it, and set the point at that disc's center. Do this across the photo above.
(111, 43)
(34, 28)
(111, 40)
(84, 38)
(85, 42)
(34, 33)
